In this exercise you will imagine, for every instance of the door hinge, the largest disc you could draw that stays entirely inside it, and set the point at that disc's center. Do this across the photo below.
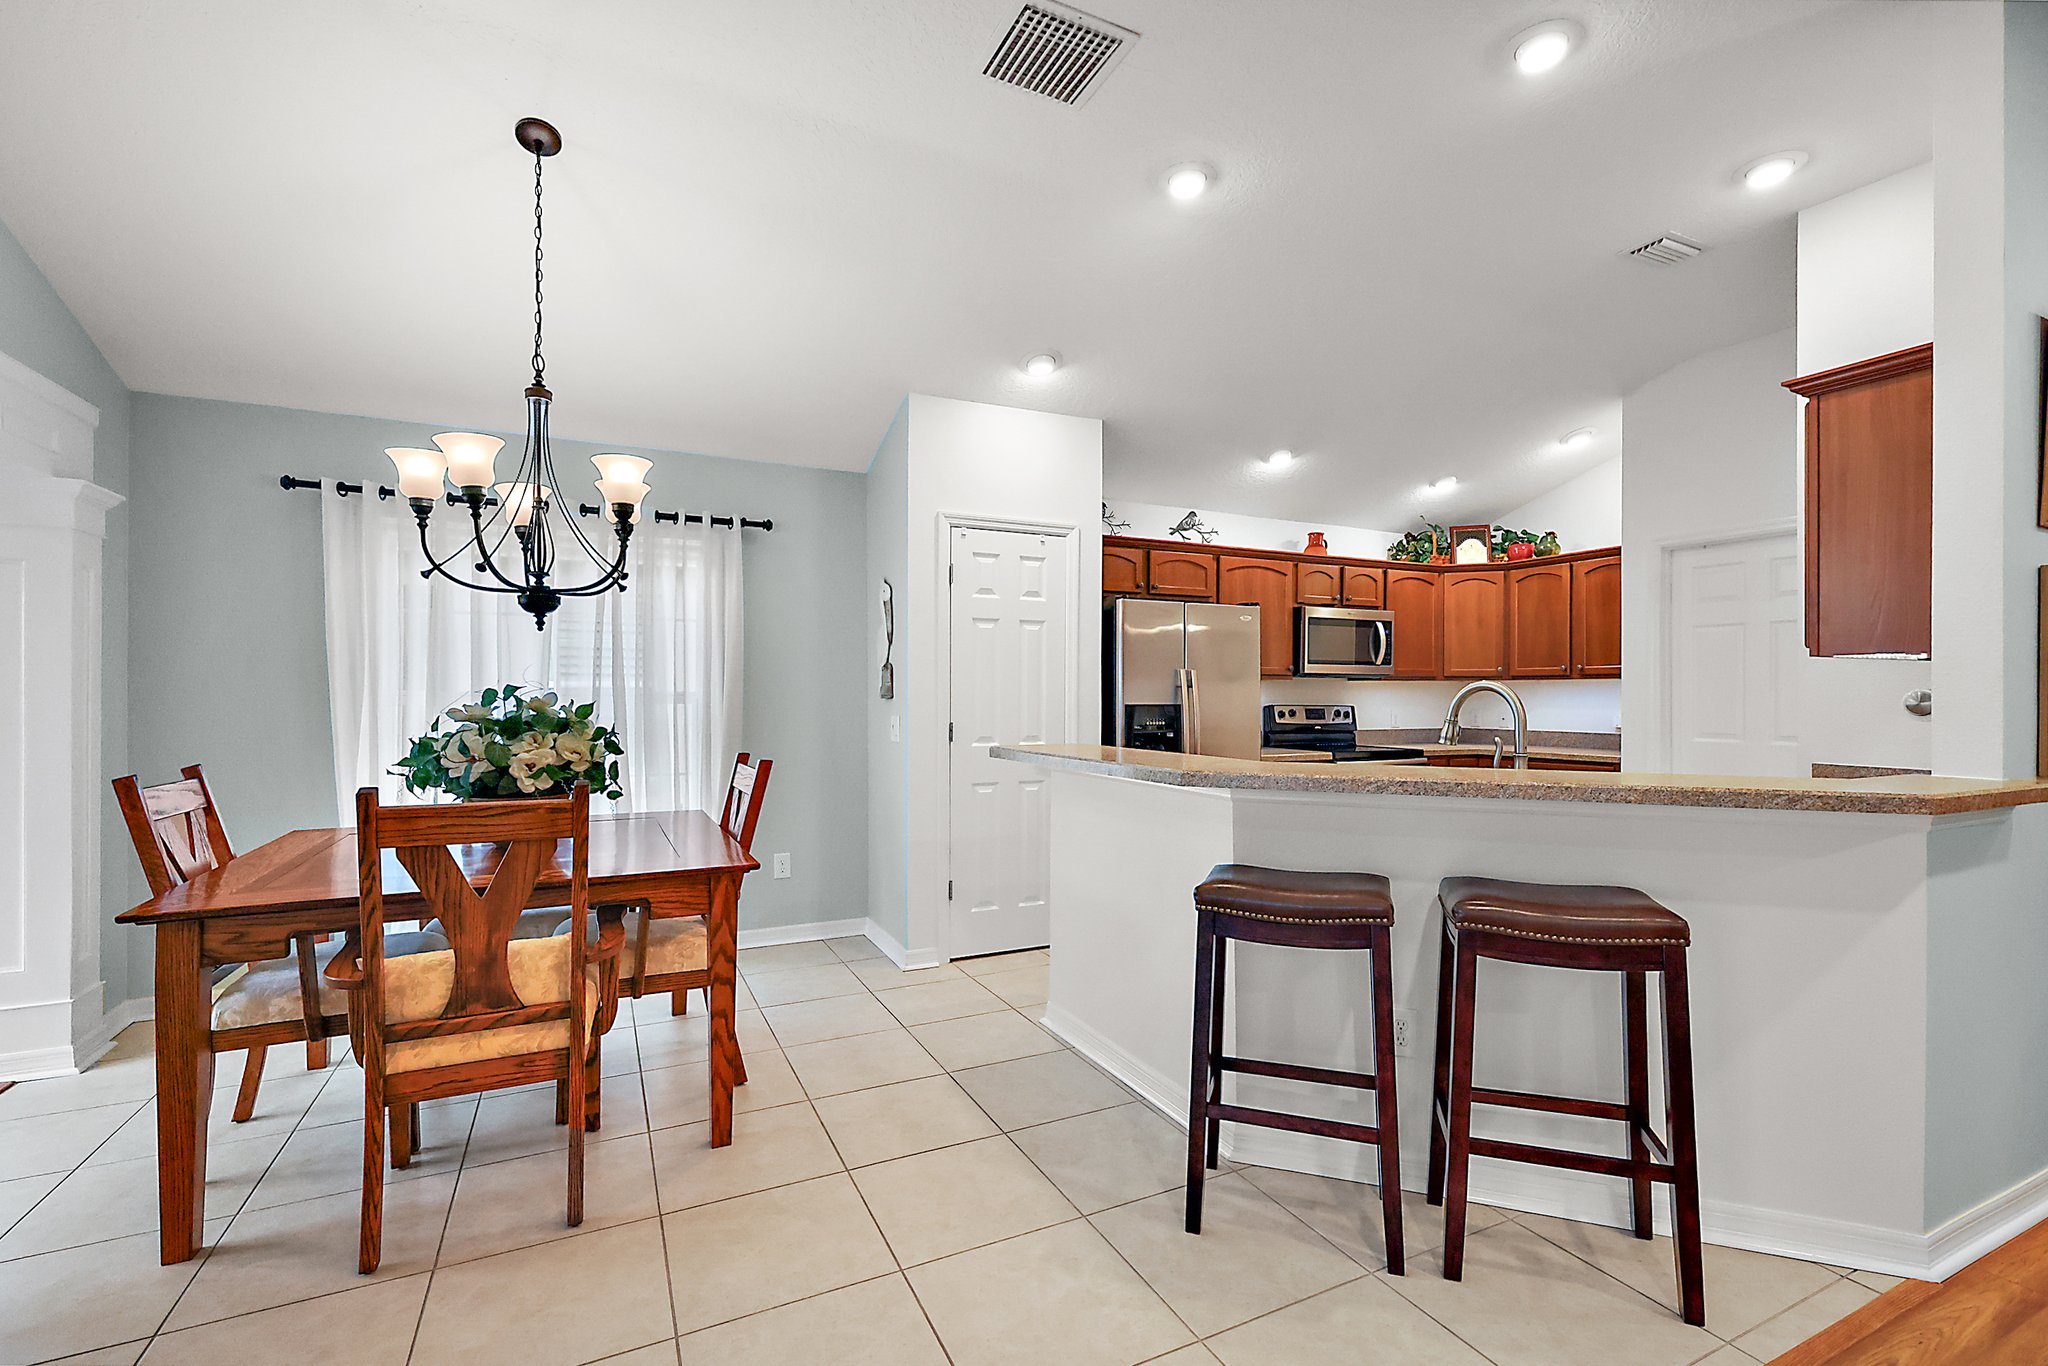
(949, 889)
(949, 732)
(949, 573)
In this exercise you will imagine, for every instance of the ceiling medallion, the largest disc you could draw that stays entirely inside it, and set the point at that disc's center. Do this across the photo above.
(525, 508)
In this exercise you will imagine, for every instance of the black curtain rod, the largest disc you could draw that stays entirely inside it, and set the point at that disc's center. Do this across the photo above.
(386, 492)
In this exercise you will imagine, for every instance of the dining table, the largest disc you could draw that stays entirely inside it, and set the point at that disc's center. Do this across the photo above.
(675, 863)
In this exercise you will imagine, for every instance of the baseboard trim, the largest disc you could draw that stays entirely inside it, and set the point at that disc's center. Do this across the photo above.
(763, 936)
(1586, 1198)
(907, 959)
(35, 1064)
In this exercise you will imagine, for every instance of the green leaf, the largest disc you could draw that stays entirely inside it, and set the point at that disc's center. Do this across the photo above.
(583, 712)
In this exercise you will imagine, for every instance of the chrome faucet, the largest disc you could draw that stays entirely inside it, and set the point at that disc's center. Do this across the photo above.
(1449, 735)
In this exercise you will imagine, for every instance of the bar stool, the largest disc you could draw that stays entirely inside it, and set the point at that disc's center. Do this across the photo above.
(1307, 911)
(1604, 929)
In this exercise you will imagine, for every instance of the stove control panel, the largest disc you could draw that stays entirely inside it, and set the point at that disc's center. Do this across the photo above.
(1334, 715)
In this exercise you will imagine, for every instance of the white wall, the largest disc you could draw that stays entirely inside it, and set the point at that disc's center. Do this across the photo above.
(1584, 511)
(979, 460)
(1866, 288)
(1712, 451)
(1255, 533)
(888, 557)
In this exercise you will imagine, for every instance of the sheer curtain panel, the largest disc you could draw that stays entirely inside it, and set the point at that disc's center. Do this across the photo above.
(661, 661)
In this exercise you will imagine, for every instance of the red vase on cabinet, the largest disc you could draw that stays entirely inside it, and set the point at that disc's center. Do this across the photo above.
(1316, 544)
(1522, 550)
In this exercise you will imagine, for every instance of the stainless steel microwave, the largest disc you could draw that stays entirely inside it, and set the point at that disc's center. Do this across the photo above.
(1343, 642)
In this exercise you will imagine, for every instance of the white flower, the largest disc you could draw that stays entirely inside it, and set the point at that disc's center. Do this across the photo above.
(535, 748)
(573, 750)
(462, 753)
(472, 711)
(541, 704)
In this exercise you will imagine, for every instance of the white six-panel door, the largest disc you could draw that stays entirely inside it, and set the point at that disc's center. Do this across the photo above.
(1011, 619)
(1736, 648)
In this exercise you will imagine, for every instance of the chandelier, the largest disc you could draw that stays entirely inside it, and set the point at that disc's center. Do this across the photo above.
(524, 508)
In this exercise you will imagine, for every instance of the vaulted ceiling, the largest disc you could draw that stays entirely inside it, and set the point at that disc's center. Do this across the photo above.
(773, 219)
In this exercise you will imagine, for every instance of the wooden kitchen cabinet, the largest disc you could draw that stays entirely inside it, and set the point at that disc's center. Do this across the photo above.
(1539, 613)
(1319, 585)
(1181, 574)
(1475, 624)
(1870, 505)
(1267, 584)
(1596, 618)
(1123, 570)
(1414, 596)
(1365, 587)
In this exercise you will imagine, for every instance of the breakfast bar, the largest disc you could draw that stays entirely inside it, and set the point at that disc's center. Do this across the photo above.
(1866, 958)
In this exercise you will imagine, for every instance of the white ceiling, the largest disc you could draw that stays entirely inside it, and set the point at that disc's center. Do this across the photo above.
(774, 218)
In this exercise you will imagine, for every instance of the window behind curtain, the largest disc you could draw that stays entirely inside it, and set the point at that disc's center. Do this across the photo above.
(661, 661)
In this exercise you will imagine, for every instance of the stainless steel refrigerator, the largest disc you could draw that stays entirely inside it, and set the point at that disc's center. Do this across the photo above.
(1182, 676)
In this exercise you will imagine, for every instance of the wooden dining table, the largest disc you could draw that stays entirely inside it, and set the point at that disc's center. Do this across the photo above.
(677, 863)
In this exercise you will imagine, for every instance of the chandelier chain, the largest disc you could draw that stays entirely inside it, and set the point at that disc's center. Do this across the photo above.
(539, 362)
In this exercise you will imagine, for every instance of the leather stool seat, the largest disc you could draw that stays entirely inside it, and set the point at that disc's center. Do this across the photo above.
(1561, 913)
(1296, 898)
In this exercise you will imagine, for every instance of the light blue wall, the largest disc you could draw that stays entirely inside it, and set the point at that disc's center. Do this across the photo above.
(40, 332)
(228, 612)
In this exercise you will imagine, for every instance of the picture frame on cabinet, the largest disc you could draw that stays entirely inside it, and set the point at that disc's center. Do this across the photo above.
(1472, 544)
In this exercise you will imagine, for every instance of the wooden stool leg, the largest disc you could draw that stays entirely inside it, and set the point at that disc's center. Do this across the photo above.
(1214, 1136)
(1685, 1178)
(1440, 1092)
(316, 1054)
(252, 1077)
(1384, 1108)
(412, 1119)
(1198, 1081)
(593, 1077)
(561, 1102)
(1458, 1149)
(372, 1248)
(401, 1137)
(1635, 1034)
(679, 1003)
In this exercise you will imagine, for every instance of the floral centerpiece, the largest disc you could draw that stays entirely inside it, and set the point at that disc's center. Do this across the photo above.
(512, 744)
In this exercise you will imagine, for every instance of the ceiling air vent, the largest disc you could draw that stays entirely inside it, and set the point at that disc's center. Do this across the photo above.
(1058, 52)
(1667, 250)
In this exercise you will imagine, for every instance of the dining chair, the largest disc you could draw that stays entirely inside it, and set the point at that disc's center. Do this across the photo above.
(178, 835)
(492, 1011)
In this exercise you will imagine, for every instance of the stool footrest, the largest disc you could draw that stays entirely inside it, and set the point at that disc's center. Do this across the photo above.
(1280, 1119)
(1595, 1163)
(1556, 1105)
(1287, 1071)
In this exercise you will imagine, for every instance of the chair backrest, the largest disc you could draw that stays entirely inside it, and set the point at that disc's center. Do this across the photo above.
(742, 811)
(523, 838)
(176, 828)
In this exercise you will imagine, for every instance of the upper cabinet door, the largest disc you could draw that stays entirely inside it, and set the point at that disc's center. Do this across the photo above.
(1365, 587)
(1540, 621)
(1596, 618)
(1319, 585)
(1269, 586)
(1475, 624)
(1870, 505)
(1181, 574)
(1123, 570)
(1414, 596)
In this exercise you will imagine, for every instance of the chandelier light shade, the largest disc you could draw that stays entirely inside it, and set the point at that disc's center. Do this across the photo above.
(523, 509)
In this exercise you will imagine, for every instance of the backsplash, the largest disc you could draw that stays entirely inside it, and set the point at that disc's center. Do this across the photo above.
(1580, 705)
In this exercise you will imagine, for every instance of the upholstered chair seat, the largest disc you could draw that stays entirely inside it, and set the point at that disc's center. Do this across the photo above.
(674, 944)
(269, 992)
(417, 987)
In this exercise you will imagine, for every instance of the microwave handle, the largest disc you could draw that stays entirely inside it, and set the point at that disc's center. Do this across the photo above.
(1190, 714)
(1383, 643)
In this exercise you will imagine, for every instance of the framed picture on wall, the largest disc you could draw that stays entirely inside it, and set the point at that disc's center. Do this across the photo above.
(1471, 544)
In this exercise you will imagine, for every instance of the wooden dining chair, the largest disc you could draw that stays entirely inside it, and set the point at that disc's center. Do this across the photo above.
(492, 1011)
(178, 835)
(672, 954)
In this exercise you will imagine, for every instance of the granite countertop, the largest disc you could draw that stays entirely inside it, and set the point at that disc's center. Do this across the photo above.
(1899, 795)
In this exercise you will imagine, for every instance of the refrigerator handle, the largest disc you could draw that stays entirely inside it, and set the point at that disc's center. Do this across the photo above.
(1190, 714)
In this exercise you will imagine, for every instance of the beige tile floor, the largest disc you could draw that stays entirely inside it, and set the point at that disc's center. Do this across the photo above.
(920, 1174)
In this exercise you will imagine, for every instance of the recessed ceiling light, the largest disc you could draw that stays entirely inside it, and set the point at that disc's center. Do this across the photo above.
(1440, 487)
(1768, 173)
(1188, 181)
(1042, 365)
(1540, 49)
(1578, 440)
(1279, 460)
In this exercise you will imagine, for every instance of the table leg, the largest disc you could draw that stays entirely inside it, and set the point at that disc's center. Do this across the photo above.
(184, 1087)
(723, 932)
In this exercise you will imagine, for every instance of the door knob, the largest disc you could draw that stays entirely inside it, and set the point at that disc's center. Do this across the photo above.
(1920, 702)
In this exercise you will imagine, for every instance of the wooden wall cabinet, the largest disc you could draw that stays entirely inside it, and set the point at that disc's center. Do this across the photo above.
(1475, 624)
(1123, 570)
(1181, 574)
(1319, 585)
(1539, 612)
(1365, 587)
(1596, 618)
(1415, 597)
(1870, 505)
(1267, 584)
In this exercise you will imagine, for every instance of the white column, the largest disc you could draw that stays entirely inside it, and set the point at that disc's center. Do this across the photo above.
(52, 534)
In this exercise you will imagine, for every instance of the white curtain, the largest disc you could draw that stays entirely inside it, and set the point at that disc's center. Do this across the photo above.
(661, 661)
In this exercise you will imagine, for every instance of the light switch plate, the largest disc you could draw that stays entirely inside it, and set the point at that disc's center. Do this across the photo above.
(782, 865)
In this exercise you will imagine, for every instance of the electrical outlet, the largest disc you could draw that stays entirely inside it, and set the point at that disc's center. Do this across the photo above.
(782, 865)
(1404, 1033)
(895, 726)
